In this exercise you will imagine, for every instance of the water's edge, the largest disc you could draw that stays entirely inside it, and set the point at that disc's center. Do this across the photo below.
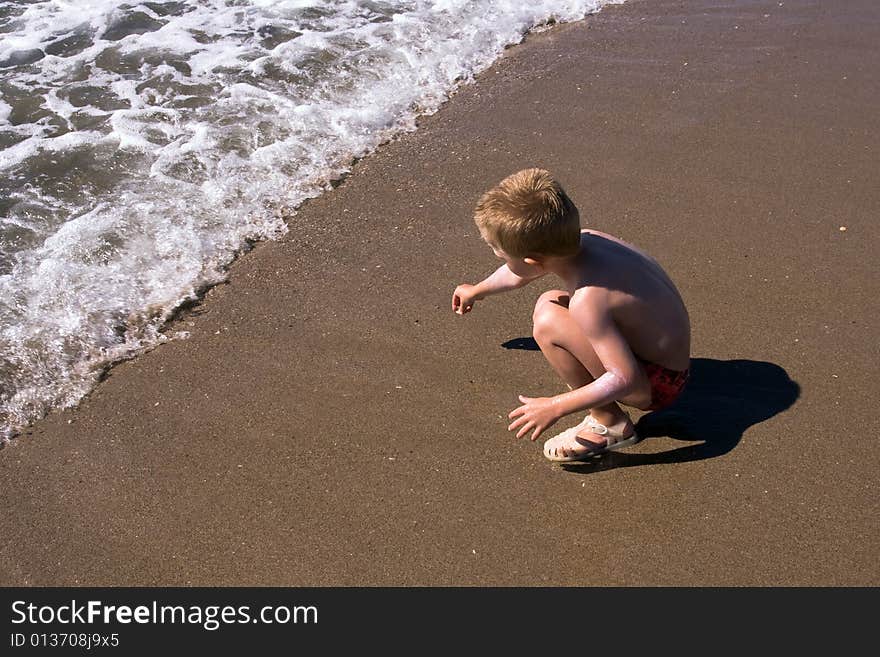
(165, 324)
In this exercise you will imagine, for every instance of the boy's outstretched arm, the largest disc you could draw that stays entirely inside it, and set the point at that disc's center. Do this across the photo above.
(501, 280)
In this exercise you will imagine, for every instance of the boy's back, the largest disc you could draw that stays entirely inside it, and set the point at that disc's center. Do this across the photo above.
(618, 278)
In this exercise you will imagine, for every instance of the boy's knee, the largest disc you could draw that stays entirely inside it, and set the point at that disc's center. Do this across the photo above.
(546, 314)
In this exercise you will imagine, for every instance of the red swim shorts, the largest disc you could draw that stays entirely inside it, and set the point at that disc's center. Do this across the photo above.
(666, 384)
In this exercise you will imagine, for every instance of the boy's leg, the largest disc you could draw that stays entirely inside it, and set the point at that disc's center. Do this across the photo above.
(563, 345)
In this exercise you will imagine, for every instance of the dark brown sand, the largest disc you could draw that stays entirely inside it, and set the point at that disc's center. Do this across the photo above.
(331, 422)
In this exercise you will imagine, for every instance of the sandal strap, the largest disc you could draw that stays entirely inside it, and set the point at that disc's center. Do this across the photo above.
(602, 430)
(596, 427)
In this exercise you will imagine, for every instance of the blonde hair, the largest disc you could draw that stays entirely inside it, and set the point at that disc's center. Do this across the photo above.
(528, 213)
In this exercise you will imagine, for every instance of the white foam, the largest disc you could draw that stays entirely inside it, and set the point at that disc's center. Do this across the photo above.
(37, 143)
(5, 111)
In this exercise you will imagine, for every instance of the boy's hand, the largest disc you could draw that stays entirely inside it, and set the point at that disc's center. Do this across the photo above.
(536, 413)
(463, 298)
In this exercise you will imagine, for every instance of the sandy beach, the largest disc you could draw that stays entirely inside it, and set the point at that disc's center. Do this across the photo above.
(330, 421)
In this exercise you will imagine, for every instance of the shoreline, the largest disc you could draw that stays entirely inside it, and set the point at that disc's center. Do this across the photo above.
(28, 398)
(331, 422)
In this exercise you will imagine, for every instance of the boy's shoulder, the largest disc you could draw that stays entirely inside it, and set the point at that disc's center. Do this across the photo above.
(586, 232)
(590, 298)
(613, 242)
(591, 308)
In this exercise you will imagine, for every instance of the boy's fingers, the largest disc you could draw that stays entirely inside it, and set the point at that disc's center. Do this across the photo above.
(522, 432)
(537, 433)
(517, 411)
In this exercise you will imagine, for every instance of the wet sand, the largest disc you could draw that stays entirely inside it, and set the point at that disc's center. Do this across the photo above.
(330, 421)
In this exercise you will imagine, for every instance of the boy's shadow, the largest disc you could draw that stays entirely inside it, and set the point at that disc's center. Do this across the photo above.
(722, 399)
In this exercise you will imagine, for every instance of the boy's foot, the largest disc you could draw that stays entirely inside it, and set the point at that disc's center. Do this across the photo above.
(590, 438)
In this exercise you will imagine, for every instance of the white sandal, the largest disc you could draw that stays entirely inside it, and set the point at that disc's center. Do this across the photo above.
(613, 441)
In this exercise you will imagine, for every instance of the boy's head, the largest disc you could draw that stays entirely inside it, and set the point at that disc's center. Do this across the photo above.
(529, 214)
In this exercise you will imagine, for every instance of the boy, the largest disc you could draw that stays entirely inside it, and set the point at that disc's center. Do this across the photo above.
(618, 333)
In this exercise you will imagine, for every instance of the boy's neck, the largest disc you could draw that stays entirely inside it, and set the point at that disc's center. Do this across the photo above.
(568, 268)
